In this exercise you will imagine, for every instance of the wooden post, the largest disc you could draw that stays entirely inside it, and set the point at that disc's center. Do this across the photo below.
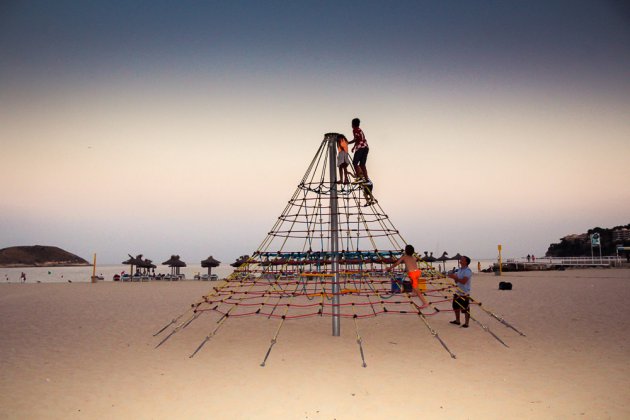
(500, 262)
(94, 269)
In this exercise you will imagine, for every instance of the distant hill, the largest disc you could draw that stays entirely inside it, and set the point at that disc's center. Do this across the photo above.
(38, 256)
(579, 245)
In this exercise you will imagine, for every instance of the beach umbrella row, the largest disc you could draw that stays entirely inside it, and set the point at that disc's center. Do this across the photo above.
(443, 258)
(174, 262)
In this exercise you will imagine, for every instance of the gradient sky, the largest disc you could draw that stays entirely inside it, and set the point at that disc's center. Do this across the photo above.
(183, 127)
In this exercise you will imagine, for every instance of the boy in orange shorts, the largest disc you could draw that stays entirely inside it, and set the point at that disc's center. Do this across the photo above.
(417, 282)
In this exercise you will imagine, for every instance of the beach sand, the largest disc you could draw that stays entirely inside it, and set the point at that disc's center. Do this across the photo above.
(87, 351)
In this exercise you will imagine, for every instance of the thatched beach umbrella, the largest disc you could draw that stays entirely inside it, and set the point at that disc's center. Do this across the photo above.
(209, 263)
(443, 258)
(148, 265)
(240, 261)
(175, 263)
(428, 258)
(132, 261)
(143, 263)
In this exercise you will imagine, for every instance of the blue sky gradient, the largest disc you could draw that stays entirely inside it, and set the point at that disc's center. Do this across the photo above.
(183, 127)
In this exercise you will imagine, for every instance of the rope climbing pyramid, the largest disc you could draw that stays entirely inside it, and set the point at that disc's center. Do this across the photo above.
(327, 255)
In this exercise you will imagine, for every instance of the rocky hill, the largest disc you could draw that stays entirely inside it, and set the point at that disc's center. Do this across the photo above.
(579, 245)
(38, 256)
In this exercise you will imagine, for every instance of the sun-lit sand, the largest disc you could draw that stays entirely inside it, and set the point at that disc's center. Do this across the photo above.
(87, 351)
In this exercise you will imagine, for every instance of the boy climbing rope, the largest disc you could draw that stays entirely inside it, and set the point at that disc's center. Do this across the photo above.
(417, 282)
(360, 150)
(343, 159)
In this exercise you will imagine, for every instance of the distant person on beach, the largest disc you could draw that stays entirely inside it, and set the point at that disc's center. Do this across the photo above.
(343, 159)
(23, 277)
(411, 266)
(461, 299)
(529, 258)
(360, 150)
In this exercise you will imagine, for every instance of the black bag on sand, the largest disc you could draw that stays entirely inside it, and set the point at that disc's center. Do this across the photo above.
(505, 285)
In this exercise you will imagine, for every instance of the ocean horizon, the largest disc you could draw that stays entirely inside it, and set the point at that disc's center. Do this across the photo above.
(83, 274)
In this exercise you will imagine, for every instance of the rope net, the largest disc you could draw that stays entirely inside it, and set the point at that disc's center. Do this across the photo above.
(311, 249)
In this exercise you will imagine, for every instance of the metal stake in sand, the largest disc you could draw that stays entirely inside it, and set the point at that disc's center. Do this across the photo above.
(497, 317)
(274, 340)
(483, 326)
(433, 332)
(334, 239)
(173, 321)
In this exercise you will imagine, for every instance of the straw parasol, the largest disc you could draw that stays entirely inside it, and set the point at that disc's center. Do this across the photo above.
(240, 260)
(145, 263)
(209, 263)
(428, 258)
(133, 261)
(457, 257)
(443, 258)
(175, 263)
(148, 265)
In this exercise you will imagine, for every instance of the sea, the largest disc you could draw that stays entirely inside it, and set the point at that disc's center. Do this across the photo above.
(83, 274)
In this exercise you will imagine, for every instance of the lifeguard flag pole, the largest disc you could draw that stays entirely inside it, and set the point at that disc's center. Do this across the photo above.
(500, 261)
(94, 269)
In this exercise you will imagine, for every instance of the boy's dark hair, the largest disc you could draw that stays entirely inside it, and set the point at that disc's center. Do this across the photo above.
(467, 260)
(356, 122)
(409, 250)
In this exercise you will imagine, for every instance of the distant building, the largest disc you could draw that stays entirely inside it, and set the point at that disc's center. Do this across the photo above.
(621, 235)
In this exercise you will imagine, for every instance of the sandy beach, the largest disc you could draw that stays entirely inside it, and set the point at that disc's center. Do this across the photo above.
(87, 351)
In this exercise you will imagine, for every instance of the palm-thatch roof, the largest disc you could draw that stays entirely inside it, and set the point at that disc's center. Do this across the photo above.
(240, 260)
(210, 262)
(174, 261)
(443, 257)
(133, 260)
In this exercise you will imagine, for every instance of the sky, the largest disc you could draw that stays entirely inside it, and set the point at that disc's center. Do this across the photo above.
(162, 127)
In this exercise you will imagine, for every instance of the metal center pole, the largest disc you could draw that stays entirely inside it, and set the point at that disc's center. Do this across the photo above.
(334, 231)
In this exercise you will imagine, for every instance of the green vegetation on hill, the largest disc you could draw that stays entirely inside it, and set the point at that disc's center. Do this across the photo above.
(580, 245)
(38, 256)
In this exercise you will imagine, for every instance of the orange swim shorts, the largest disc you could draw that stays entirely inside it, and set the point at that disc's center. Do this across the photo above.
(417, 282)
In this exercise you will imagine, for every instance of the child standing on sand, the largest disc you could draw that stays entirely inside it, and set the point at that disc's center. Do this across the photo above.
(419, 285)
